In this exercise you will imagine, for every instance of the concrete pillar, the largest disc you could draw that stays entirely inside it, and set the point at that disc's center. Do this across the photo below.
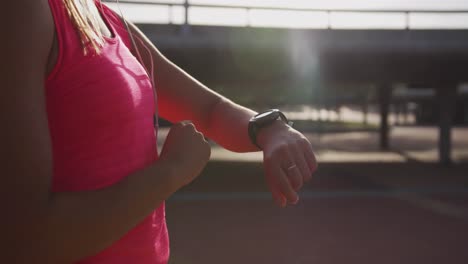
(186, 9)
(396, 113)
(365, 112)
(401, 113)
(405, 113)
(384, 97)
(446, 98)
(186, 25)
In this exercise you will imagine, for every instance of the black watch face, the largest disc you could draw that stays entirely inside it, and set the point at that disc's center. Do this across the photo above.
(262, 115)
(266, 118)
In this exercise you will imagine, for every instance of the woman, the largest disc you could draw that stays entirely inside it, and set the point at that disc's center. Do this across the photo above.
(81, 178)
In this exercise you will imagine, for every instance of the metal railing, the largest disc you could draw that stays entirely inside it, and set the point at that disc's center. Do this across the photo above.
(407, 14)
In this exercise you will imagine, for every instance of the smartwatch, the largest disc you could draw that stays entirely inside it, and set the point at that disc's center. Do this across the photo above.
(262, 120)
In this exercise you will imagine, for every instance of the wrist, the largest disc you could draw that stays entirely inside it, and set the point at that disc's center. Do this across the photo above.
(267, 133)
(265, 123)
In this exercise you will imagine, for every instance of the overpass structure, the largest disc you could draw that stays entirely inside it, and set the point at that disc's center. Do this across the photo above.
(436, 58)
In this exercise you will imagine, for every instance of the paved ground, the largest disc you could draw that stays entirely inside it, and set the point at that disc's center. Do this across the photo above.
(414, 144)
(370, 209)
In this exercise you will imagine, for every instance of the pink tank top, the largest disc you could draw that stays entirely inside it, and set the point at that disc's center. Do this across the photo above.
(100, 111)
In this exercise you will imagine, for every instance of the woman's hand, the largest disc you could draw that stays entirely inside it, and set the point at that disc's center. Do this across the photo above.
(288, 161)
(187, 151)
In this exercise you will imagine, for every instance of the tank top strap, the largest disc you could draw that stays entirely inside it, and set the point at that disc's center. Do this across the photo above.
(69, 44)
(116, 22)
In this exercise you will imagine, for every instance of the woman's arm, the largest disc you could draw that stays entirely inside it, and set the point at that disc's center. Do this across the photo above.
(182, 97)
(38, 226)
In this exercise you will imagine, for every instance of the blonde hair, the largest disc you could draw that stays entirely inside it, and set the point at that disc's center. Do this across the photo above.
(86, 23)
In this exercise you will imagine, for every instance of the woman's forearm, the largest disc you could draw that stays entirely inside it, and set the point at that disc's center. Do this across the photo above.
(79, 224)
(228, 126)
(216, 116)
(182, 97)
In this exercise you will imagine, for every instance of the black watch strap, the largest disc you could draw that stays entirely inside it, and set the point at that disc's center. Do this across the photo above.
(264, 119)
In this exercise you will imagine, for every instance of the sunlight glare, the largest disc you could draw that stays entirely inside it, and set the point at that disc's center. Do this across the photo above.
(343, 4)
(357, 20)
(143, 13)
(260, 13)
(218, 16)
(288, 19)
(439, 21)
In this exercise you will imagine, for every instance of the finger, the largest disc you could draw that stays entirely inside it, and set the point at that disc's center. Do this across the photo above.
(279, 199)
(184, 122)
(187, 123)
(309, 157)
(285, 186)
(291, 169)
(300, 161)
(199, 134)
(295, 177)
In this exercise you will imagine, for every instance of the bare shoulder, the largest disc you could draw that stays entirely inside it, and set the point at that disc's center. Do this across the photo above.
(28, 27)
(27, 30)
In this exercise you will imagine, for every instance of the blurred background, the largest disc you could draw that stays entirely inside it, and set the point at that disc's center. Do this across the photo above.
(381, 90)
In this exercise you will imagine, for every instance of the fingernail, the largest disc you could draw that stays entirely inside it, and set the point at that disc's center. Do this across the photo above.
(283, 202)
(296, 201)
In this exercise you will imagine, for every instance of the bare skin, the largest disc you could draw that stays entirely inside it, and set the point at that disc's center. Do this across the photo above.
(226, 122)
(45, 227)
(39, 226)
